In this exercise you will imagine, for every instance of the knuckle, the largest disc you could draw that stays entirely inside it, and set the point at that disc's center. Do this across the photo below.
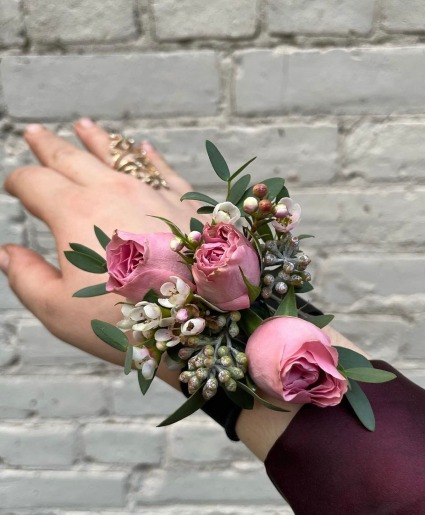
(19, 175)
(62, 152)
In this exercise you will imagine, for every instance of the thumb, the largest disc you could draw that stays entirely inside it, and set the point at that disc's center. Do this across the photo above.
(30, 276)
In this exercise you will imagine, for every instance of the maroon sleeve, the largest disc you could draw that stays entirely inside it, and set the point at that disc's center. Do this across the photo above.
(326, 462)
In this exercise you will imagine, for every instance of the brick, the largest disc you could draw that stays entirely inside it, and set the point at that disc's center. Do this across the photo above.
(58, 397)
(338, 17)
(337, 216)
(62, 489)
(187, 443)
(399, 16)
(11, 221)
(349, 278)
(68, 86)
(129, 444)
(304, 154)
(385, 151)
(341, 81)
(8, 299)
(128, 401)
(252, 486)
(196, 19)
(416, 343)
(38, 446)
(39, 348)
(382, 337)
(8, 350)
(11, 23)
(77, 21)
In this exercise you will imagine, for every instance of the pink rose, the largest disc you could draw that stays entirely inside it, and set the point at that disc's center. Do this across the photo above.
(293, 360)
(216, 270)
(140, 262)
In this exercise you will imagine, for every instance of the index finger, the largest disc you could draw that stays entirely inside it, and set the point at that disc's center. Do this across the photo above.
(55, 152)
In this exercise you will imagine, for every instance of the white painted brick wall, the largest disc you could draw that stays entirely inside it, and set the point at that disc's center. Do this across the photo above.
(327, 94)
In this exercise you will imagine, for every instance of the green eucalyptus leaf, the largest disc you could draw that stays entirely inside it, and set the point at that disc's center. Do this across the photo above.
(151, 296)
(265, 232)
(288, 305)
(305, 288)
(92, 291)
(241, 398)
(82, 249)
(350, 359)
(193, 403)
(173, 353)
(250, 320)
(320, 320)
(194, 195)
(205, 210)
(260, 399)
(102, 238)
(128, 359)
(369, 375)
(85, 262)
(173, 227)
(361, 405)
(253, 291)
(241, 169)
(110, 335)
(144, 384)
(304, 236)
(282, 193)
(196, 225)
(217, 160)
(238, 189)
(275, 186)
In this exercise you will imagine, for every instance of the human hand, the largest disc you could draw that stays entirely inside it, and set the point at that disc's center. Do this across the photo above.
(71, 191)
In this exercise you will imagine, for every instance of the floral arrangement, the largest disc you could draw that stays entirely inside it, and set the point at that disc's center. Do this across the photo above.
(219, 303)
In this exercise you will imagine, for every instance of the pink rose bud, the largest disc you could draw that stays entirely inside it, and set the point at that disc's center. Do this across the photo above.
(250, 205)
(260, 190)
(293, 360)
(218, 261)
(138, 263)
(194, 237)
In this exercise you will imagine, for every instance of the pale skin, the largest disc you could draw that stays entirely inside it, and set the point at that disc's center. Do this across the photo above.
(72, 190)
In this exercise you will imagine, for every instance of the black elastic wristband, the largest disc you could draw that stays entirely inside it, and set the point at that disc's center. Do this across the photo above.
(220, 408)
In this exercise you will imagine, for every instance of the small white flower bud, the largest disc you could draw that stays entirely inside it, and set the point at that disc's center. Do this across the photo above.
(281, 288)
(186, 376)
(233, 329)
(226, 361)
(236, 373)
(223, 351)
(224, 376)
(250, 205)
(235, 316)
(202, 373)
(266, 293)
(280, 211)
(268, 279)
(176, 244)
(231, 385)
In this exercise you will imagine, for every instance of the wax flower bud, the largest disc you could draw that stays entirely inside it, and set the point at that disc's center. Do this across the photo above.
(250, 205)
(260, 190)
(265, 206)
(182, 315)
(280, 211)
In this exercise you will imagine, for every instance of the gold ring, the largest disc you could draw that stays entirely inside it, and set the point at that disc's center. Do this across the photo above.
(131, 160)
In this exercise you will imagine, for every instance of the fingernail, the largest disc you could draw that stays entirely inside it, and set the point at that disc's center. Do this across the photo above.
(4, 260)
(147, 147)
(86, 123)
(34, 127)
